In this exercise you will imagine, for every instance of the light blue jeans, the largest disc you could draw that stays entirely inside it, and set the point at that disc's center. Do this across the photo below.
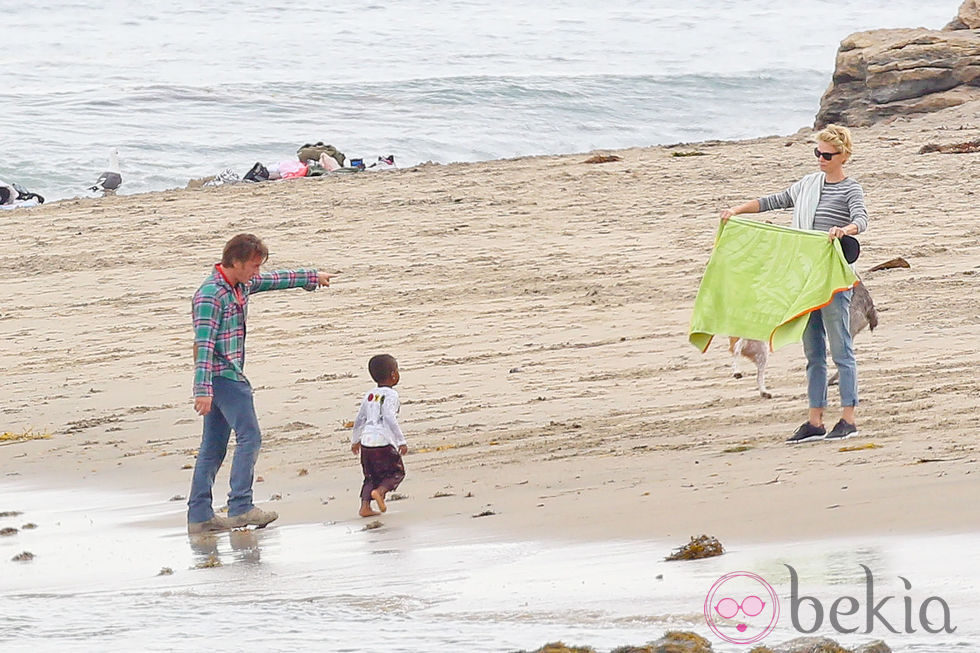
(232, 407)
(832, 322)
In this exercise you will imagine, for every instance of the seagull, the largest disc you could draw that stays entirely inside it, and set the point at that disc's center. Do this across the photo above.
(109, 180)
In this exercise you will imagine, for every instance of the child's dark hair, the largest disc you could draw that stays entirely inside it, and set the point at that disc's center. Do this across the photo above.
(381, 367)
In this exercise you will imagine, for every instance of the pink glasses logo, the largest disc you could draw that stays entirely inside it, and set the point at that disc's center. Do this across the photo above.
(741, 608)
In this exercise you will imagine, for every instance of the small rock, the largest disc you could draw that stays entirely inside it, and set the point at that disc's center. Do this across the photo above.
(679, 641)
(166, 571)
(809, 645)
(178, 497)
(26, 556)
(303, 472)
(377, 523)
(395, 496)
(276, 497)
(485, 513)
(11, 513)
(29, 526)
(876, 646)
(8, 531)
(560, 647)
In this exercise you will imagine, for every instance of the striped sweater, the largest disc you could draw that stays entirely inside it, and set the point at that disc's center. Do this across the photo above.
(841, 203)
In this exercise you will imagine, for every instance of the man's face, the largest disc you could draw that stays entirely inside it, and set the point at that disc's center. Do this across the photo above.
(242, 271)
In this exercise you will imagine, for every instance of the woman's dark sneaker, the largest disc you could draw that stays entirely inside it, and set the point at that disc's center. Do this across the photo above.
(807, 433)
(842, 430)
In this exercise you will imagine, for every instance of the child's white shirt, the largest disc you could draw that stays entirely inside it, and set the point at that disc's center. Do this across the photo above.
(376, 424)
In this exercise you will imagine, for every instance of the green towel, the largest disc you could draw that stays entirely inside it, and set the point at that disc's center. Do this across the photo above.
(762, 281)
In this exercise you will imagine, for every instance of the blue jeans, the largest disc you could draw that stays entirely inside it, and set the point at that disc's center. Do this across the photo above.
(232, 407)
(834, 322)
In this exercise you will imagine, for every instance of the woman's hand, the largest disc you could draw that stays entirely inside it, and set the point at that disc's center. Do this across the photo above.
(836, 232)
(727, 213)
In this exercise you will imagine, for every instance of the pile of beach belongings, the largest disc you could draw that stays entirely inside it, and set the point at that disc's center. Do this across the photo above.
(314, 160)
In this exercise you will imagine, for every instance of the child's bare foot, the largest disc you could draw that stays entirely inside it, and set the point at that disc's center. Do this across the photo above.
(379, 496)
(366, 511)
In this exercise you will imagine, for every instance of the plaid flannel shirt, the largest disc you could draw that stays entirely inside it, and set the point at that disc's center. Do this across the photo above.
(219, 323)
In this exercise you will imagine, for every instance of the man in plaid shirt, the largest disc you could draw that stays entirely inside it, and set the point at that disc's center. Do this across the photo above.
(222, 394)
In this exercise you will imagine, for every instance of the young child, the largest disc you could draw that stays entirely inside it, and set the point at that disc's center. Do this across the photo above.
(377, 436)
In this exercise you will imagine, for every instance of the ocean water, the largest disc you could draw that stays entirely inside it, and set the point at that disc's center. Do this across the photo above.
(94, 584)
(185, 89)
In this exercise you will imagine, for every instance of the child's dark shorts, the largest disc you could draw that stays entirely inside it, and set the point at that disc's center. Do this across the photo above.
(383, 468)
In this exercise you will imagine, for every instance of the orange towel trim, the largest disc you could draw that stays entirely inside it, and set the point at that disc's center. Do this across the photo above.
(807, 312)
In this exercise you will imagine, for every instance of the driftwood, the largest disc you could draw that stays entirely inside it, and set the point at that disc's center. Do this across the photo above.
(955, 148)
(603, 158)
(897, 262)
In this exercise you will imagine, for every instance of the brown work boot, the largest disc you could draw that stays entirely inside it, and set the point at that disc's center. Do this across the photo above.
(213, 525)
(254, 517)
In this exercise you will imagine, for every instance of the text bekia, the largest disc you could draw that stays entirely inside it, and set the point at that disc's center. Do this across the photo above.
(847, 606)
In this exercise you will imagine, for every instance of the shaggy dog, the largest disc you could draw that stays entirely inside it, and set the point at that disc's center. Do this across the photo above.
(862, 314)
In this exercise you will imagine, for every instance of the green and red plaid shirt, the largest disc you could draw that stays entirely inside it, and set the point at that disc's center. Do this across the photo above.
(219, 313)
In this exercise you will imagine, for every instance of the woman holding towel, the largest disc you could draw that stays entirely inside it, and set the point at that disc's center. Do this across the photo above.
(828, 201)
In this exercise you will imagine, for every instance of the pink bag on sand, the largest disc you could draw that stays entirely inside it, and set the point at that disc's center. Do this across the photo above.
(290, 169)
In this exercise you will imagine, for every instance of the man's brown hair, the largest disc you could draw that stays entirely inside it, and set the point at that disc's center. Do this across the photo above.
(244, 247)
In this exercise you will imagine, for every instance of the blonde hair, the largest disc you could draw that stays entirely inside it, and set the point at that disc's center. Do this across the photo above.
(839, 137)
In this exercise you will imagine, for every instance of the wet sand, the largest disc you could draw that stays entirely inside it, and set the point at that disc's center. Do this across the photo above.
(96, 582)
(539, 310)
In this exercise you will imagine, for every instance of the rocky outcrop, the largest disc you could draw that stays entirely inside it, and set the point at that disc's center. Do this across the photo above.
(821, 645)
(889, 72)
(968, 16)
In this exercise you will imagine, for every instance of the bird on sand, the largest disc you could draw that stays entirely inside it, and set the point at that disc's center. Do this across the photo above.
(109, 180)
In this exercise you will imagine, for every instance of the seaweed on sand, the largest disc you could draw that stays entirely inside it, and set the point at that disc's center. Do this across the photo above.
(703, 546)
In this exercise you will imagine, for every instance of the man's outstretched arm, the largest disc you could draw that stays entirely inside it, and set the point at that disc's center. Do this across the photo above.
(283, 279)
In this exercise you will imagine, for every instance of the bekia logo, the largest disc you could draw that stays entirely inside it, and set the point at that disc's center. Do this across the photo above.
(742, 608)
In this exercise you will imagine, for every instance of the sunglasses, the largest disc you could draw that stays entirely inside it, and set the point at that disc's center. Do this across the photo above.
(751, 606)
(826, 155)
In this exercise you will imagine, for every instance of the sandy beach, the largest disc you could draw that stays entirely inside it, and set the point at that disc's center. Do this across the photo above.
(539, 310)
